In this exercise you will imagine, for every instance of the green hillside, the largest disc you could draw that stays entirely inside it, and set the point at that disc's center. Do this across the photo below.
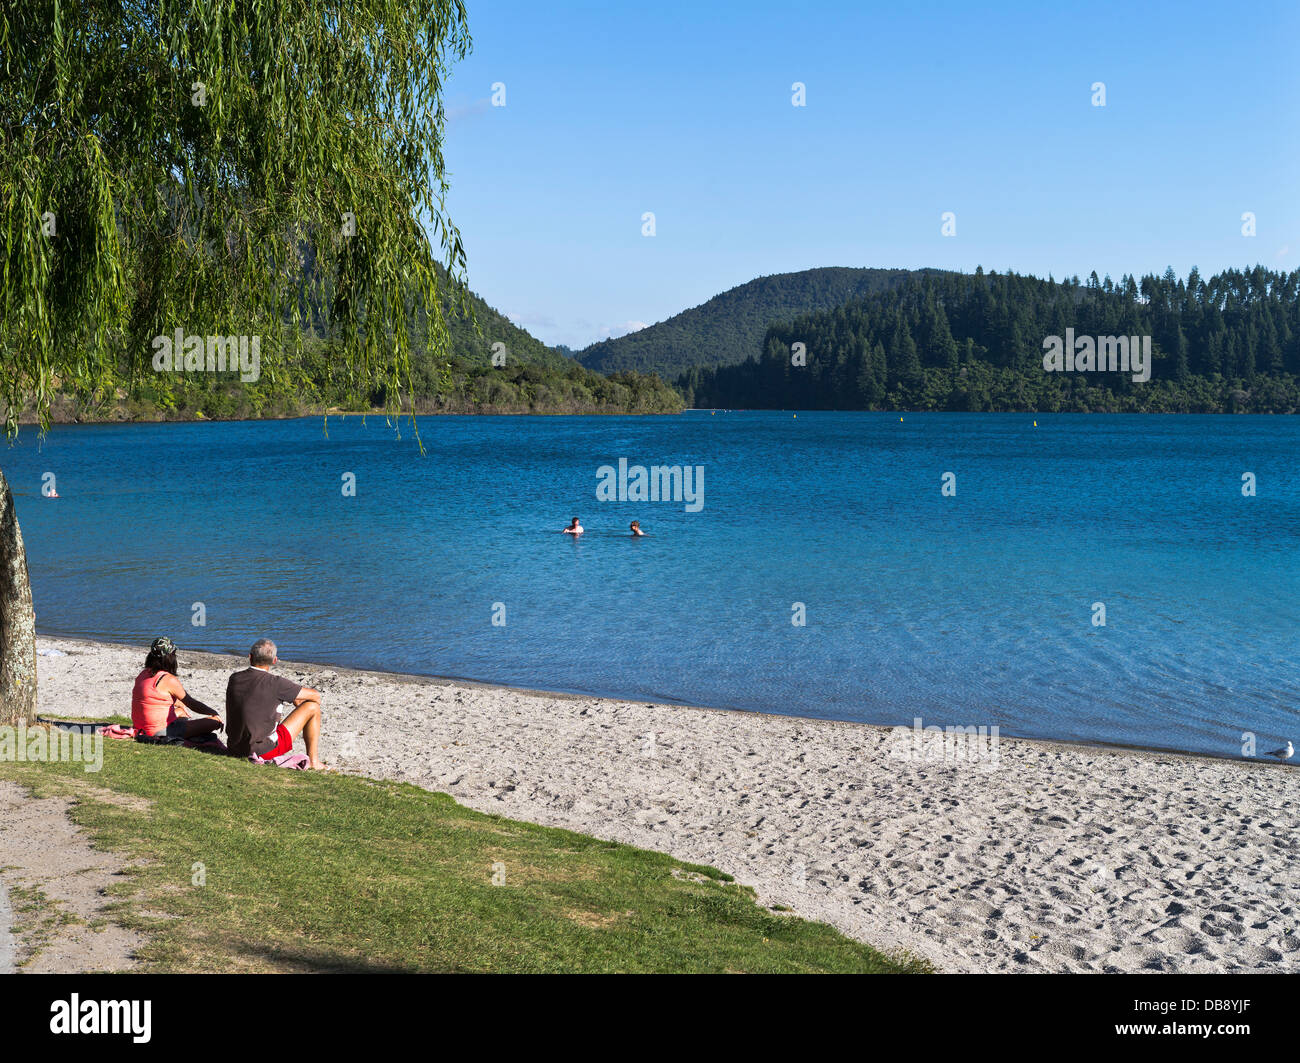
(729, 328)
(531, 378)
(534, 378)
(475, 346)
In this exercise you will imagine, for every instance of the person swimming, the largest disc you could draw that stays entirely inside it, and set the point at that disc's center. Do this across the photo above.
(574, 529)
(636, 529)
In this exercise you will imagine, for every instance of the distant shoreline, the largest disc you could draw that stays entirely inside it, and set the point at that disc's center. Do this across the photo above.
(30, 419)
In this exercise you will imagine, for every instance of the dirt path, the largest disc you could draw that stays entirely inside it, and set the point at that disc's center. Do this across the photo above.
(56, 886)
(6, 936)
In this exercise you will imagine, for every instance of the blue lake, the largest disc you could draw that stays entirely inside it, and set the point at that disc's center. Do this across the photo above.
(973, 609)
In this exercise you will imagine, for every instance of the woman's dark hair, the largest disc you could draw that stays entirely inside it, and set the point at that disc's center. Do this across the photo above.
(162, 656)
(159, 662)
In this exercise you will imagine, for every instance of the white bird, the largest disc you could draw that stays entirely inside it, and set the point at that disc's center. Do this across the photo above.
(1283, 754)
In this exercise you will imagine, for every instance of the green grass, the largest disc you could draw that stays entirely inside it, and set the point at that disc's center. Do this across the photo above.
(304, 871)
(40, 918)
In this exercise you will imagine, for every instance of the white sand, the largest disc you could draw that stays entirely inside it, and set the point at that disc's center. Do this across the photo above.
(1061, 858)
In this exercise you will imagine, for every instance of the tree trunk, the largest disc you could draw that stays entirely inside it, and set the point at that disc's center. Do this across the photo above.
(17, 619)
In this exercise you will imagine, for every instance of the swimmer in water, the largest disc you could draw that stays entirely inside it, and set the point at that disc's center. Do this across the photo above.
(636, 529)
(573, 529)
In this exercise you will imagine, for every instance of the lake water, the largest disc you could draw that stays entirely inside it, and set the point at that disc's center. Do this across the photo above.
(974, 609)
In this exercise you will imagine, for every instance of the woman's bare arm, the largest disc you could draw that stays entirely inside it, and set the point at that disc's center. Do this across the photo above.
(176, 689)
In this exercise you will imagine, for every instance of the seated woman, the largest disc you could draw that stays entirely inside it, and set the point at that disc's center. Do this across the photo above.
(159, 701)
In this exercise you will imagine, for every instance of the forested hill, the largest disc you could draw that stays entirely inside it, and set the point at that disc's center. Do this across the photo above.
(729, 327)
(951, 341)
(471, 345)
(521, 346)
(534, 378)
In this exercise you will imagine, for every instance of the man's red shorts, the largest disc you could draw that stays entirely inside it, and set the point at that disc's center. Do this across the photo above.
(283, 743)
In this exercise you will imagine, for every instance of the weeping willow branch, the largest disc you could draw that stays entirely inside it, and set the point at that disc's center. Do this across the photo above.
(225, 167)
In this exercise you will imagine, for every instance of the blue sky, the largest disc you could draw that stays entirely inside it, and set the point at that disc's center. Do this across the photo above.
(913, 109)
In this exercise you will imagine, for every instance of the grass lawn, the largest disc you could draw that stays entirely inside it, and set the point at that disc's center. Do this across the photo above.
(238, 867)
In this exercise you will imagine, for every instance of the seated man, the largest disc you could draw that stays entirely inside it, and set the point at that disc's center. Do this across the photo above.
(253, 699)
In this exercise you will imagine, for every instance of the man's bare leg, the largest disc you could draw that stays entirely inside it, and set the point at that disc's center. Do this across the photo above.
(305, 721)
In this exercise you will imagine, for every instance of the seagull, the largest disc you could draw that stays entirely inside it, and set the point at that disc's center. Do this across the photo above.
(1283, 754)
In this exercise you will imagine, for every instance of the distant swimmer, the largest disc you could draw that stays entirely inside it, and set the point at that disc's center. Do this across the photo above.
(636, 529)
(573, 529)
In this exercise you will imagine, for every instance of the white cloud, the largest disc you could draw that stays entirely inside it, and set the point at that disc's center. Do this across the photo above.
(609, 332)
(531, 321)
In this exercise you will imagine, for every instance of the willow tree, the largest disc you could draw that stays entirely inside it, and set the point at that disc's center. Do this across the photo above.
(172, 164)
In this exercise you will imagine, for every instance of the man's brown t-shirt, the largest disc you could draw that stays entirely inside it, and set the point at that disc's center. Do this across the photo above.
(253, 699)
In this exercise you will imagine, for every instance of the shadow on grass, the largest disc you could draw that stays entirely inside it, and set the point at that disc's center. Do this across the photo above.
(317, 961)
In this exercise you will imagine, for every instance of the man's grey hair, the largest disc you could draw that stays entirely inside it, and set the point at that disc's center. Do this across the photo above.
(263, 652)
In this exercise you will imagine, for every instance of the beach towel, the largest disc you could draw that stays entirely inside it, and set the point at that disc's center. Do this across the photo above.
(116, 730)
(297, 761)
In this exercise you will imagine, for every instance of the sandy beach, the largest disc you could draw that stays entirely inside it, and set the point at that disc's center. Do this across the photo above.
(1053, 858)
